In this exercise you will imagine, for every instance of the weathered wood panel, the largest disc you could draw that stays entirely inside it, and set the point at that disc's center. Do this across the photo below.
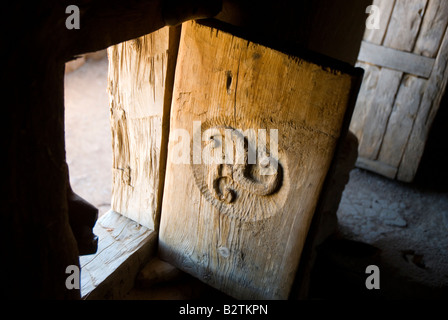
(141, 73)
(227, 224)
(392, 143)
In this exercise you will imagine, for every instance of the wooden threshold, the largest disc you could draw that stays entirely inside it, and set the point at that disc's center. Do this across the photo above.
(124, 247)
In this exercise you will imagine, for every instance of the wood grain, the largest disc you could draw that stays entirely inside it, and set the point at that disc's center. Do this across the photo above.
(432, 29)
(376, 36)
(248, 247)
(379, 112)
(141, 73)
(404, 24)
(377, 166)
(365, 98)
(401, 120)
(124, 247)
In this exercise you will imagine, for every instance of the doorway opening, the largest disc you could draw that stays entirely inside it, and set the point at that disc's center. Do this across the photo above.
(87, 129)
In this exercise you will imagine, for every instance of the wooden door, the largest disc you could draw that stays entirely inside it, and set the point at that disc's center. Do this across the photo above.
(405, 63)
(229, 223)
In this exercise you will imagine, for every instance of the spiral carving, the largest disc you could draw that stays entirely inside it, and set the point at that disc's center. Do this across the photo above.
(240, 188)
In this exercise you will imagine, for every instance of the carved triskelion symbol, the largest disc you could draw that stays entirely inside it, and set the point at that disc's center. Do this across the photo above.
(238, 178)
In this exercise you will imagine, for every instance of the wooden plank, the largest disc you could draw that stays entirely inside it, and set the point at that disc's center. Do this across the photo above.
(434, 91)
(377, 166)
(244, 233)
(395, 59)
(105, 25)
(124, 247)
(365, 98)
(433, 28)
(405, 24)
(375, 126)
(141, 74)
(401, 120)
(376, 36)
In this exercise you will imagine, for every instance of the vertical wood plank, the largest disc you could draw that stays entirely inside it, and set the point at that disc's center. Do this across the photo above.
(247, 244)
(401, 120)
(434, 91)
(405, 24)
(376, 36)
(365, 98)
(433, 28)
(141, 72)
(379, 112)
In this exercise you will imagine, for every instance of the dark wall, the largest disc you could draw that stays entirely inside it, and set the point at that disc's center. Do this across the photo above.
(331, 27)
(433, 169)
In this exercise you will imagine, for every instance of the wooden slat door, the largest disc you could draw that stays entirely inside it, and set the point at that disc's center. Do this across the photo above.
(405, 63)
(227, 223)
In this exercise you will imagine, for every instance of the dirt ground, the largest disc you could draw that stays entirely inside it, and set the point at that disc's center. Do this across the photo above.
(408, 224)
(403, 227)
(87, 132)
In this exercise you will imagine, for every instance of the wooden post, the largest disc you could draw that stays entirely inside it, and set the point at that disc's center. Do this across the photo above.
(141, 75)
(228, 224)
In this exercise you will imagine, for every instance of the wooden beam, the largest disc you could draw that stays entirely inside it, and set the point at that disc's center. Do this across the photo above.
(395, 59)
(124, 248)
(105, 23)
(377, 166)
(141, 76)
